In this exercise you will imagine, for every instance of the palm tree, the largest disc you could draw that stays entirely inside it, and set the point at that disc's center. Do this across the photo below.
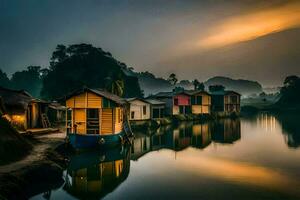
(115, 86)
(173, 79)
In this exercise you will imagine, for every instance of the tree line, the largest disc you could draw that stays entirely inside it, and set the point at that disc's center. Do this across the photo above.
(72, 67)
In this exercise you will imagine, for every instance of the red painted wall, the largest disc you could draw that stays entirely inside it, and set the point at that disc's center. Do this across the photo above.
(183, 100)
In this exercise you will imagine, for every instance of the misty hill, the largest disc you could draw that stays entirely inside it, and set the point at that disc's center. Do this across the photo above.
(150, 84)
(262, 59)
(244, 87)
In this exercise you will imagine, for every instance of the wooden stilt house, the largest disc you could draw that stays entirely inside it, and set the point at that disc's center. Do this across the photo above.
(94, 118)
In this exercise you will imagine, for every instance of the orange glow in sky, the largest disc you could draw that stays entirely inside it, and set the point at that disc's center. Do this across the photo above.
(253, 25)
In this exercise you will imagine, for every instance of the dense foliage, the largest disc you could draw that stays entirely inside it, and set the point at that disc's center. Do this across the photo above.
(4, 80)
(81, 65)
(290, 92)
(29, 80)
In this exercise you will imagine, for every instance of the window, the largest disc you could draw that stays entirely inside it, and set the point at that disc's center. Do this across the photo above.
(132, 115)
(198, 100)
(119, 116)
(69, 120)
(144, 110)
(155, 113)
(176, 102)
(233, 99)
(181, 110)
(92, 116)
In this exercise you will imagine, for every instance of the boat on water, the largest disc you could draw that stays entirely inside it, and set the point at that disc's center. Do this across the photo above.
(96, 119)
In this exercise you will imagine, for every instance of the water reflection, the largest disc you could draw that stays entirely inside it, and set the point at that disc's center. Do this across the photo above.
(187, 134)
(291, 129)
(94, 174)
(246, 167)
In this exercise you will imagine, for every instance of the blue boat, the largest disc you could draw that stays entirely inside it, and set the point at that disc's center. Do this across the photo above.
(80, 141)
(96, 119)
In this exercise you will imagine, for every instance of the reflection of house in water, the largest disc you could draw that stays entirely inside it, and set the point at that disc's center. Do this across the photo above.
(177, 138)
(201, 135)
(96, 174)
(187, 134)
(226, 130)
(140, 146)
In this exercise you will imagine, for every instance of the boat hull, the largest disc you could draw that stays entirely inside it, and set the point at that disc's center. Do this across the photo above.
(91, 141)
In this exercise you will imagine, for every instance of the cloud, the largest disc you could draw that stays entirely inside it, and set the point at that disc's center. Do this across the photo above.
(252, 25)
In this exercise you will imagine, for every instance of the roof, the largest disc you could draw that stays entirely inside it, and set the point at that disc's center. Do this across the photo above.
(99, 92)
(16, 101)
(155, 102)
(230, 92)
(136, 98)
(164, 94)
(56, 106)
(194, 92)
(226, 92)
(183, 93)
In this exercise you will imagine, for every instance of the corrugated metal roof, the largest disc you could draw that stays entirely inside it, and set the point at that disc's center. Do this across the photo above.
(155, 102)
(101, 93)
(136, 98)
(164, 94)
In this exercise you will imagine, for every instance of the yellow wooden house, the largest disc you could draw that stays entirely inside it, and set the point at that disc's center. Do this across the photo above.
(200, 102)
(94, 113)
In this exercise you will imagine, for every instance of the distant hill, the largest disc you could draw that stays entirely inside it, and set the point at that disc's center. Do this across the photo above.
(244, 87)
(151, 84)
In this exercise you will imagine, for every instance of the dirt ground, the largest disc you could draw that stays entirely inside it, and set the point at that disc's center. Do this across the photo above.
(22, 179)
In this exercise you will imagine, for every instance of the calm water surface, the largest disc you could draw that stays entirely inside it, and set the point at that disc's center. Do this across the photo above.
(250, 158)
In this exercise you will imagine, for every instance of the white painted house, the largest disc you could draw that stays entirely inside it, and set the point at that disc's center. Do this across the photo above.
(139, 109)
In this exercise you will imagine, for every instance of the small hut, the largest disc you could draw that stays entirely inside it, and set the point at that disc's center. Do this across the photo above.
(57, 112)
(157, 108)
(139, 109)
(232, 102)
(22, 110)
(200, 102)
(167, 98)
(182, 103)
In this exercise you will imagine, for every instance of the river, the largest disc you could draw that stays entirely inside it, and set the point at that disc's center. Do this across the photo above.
(256, 157)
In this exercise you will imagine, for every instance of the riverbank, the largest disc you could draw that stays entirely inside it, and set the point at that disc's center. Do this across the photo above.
(146, 125)
(40, 170)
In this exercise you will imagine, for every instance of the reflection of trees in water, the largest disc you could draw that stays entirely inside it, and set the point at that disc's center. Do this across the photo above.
(291, 128)
(197, 135)
(93, 175)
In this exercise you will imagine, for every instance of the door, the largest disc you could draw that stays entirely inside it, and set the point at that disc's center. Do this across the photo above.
(155, 113)
(28, 117)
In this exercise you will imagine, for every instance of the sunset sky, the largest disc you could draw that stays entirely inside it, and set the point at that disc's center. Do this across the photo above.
(248, 39)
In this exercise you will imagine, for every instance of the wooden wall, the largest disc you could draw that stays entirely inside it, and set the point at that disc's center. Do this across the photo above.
(204, 108)
(136, 106)
(110, 119)
(118, 119)
(106, 121)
